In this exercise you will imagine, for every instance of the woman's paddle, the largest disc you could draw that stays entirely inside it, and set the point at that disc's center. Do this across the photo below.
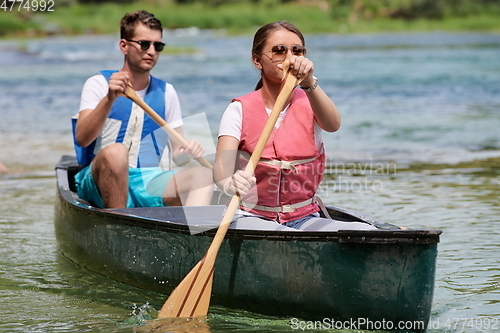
(131, 94)
(191, 297)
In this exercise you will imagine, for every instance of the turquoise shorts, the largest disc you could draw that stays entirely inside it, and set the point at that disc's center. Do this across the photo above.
(145, 187)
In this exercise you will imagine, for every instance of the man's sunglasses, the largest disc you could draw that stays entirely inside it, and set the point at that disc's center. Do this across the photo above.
(278, 52)
(145, 44)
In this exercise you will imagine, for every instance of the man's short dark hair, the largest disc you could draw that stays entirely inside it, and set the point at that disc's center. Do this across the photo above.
(130, 21)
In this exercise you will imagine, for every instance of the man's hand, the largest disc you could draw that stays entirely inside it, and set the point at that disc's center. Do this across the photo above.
(193, 150)
(118, 83)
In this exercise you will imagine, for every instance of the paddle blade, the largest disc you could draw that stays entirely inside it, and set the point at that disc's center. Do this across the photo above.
(191, 297)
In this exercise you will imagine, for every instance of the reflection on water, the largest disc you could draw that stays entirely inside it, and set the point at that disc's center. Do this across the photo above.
(461, 200)
(419, 147)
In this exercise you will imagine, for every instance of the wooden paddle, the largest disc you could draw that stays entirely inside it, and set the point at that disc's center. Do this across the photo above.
(191, 297)
(131, 94)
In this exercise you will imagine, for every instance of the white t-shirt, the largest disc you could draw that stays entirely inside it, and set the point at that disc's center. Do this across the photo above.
(231, 122)
(96, 88)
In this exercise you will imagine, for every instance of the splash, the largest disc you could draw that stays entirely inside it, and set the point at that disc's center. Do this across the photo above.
(143, 319)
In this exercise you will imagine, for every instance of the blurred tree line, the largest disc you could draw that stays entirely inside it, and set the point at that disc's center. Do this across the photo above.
(238, 16)
(360, 9)
(413, 9)
(356, 9)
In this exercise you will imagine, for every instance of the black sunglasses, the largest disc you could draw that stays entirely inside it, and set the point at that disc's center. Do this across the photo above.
(145, 44)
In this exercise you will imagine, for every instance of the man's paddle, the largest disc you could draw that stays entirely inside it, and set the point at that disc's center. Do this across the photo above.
(131, 94)
(191, 297)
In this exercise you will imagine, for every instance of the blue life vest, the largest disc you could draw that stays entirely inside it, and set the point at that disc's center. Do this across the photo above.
(154, 140)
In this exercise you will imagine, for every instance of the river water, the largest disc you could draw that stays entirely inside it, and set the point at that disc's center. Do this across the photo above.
(419, 147)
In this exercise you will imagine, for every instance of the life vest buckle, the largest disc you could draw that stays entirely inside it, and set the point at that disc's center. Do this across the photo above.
(287, 209)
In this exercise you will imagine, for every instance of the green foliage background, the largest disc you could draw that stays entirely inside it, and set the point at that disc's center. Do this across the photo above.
(243, 16)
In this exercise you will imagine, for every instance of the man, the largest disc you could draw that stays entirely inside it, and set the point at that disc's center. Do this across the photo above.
(123, 145)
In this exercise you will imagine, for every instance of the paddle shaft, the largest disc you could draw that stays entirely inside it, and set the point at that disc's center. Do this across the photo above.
(131, 94)
(192, 296)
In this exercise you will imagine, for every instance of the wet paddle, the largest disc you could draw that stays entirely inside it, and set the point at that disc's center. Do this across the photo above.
(191, 297)
(131, 94)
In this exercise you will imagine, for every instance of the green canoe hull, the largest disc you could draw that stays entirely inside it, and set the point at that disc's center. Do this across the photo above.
(368, 276)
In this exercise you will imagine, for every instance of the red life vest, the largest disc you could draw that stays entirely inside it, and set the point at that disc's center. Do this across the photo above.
(291, 167)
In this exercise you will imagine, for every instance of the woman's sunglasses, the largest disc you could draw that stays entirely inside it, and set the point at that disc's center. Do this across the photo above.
(145, 44)
(279, 52)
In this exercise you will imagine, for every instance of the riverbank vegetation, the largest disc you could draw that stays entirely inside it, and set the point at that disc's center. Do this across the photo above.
(242, 16)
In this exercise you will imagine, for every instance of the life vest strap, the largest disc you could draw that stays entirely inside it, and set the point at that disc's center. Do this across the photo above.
(281, 209)
(288, 165)
(291, 208)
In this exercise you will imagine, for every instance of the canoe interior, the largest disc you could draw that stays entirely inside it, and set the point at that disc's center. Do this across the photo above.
(381, 274)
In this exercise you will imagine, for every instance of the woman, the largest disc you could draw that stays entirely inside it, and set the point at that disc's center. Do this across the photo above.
(292, 164)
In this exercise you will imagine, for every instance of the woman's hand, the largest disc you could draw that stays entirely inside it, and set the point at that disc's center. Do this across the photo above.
(240, 183)
(301, 67)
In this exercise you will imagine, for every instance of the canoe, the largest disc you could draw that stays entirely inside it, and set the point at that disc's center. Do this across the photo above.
(376, 277)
